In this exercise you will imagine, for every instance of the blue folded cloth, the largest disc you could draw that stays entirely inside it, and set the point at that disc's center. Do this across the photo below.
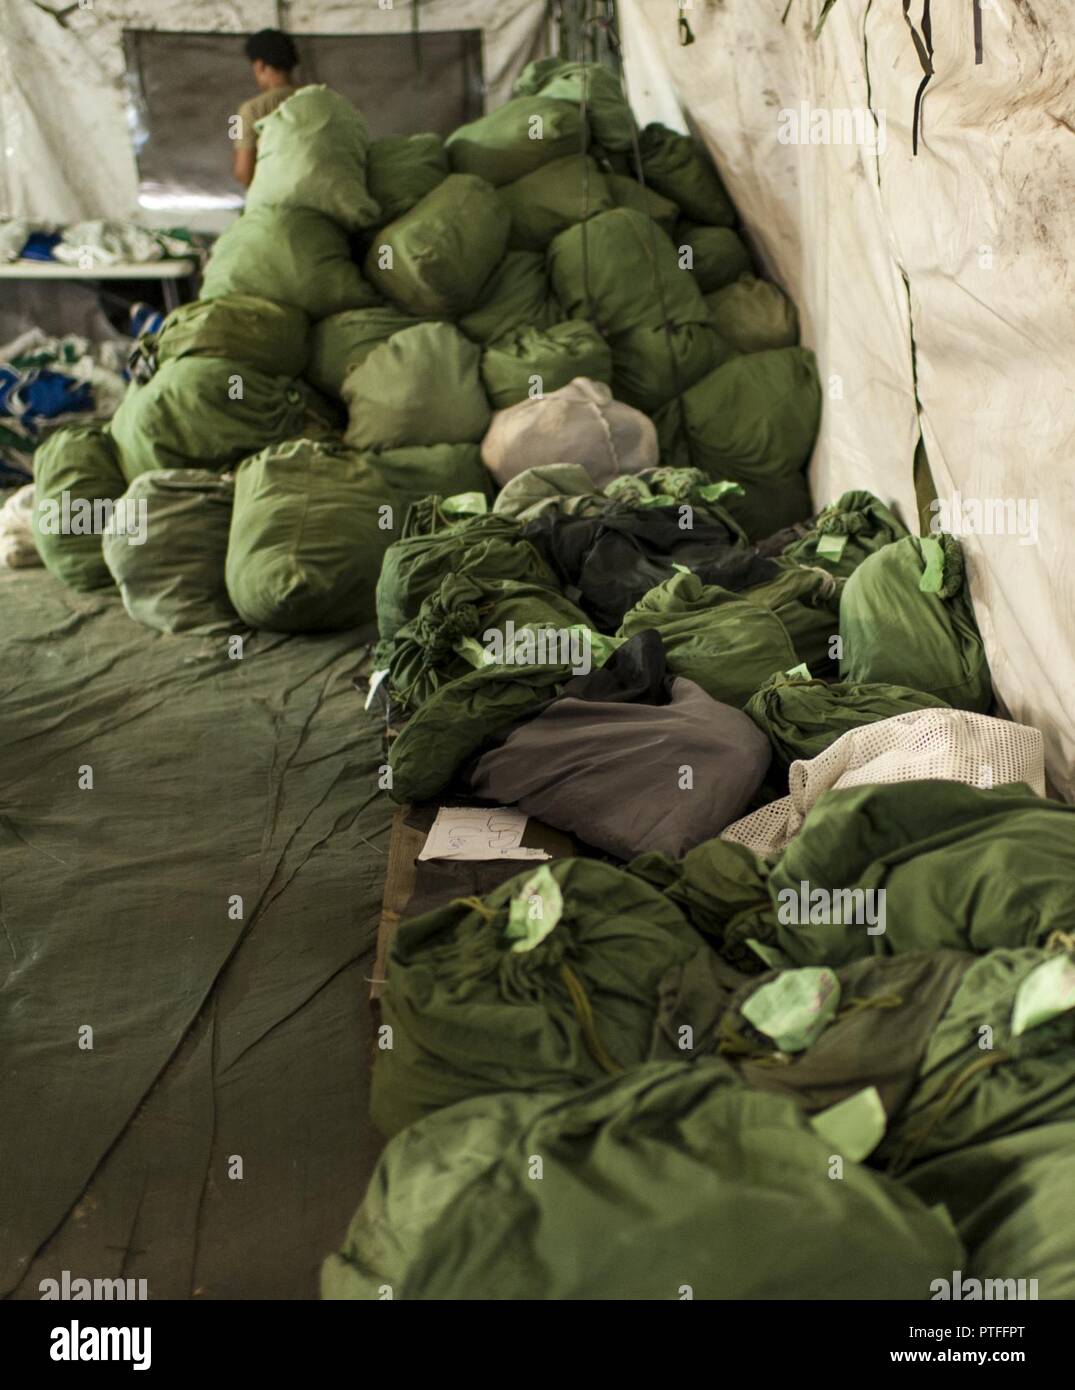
(41, 394)
(39, 246)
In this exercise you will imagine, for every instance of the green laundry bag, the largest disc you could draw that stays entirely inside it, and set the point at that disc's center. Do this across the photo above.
(312, 153)
(553, 198)
(807, 602)
(997, 1062)
(420, 470)
(489, 545)
(720, 640)
(722, 888)
(674, 165)
(752, 315)
(435, 260)
(306, 538)
(172, 579)
(962, 868)
(258, 332)
(607, 109)
(205, 412)
(515, 296)
(801, 717)
(342, 341)
(845, 532)
(294, 256)
(1011, 1201)
(753, 420)
(565, 487)
(421, 386)
(532, 361)
(906, 618)
(625, 276)
(627, 192)
(549, 981)
(448, 637)
(434, 514)
(821, 1036)
(717, 255)
(650, 366)
(657, 487)
(667, 1182)
(81, 462)
(516, 139)
(460, 720)
(402, 169)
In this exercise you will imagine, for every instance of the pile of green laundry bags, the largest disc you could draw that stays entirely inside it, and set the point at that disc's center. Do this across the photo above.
(797, 1018)
(376, 307)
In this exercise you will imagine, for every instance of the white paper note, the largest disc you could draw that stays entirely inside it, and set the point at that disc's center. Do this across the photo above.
(478, 832)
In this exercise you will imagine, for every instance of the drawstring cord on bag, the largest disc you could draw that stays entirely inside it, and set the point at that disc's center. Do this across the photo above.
(915, 1141)
(580, 1000)
(587, 1023)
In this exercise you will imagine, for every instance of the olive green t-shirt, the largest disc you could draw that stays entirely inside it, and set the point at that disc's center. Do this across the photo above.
(254, 109)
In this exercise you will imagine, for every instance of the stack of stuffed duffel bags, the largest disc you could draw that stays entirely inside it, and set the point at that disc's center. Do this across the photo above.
(387, 313)
(631, 1074)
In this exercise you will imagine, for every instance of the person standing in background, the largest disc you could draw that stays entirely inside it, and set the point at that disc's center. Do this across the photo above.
(274, 58)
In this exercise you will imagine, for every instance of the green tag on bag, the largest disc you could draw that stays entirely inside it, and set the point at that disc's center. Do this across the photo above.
(831, 547)
(855, 1126)
(1046, 993)
(713, 492)
(801, 670)
(534, 911)
(932, 579)
(465, 504)
(795, 1009)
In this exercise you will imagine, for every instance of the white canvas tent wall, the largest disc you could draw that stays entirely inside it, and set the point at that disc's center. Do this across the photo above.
(956, 261)
(953, 263)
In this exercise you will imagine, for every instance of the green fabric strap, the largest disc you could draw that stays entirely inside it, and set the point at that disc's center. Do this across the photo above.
(932, 580)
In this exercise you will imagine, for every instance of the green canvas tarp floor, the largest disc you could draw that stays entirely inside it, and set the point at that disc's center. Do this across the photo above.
(214, 1040)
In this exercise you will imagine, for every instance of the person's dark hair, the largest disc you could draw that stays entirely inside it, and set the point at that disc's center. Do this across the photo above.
(274, 47)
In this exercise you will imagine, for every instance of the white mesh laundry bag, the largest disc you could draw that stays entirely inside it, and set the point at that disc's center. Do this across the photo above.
(951, 745)
(17, 548)
(580, 423)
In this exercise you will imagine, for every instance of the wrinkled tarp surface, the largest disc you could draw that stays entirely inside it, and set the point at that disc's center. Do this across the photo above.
(212, 1037)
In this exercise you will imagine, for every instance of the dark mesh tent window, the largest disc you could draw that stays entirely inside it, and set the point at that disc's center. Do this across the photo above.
(182, 88)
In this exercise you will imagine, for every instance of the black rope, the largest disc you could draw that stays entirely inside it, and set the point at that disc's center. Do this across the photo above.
(924, 48)
(978, 49)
